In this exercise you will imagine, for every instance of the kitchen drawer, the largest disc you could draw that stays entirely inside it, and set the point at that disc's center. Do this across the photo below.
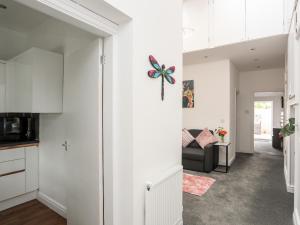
(12, 166)
(12, 185)
(12, 154)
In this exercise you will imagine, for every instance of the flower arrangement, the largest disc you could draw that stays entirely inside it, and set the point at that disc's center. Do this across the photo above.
(221, 132)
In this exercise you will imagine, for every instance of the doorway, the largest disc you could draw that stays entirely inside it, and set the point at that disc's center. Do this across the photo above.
(71, 171)
(268, 109)
(263, 117)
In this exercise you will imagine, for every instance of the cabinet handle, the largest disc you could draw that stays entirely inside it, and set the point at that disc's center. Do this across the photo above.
(11, 173)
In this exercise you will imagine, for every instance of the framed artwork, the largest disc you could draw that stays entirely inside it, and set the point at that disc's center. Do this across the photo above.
(188, 94)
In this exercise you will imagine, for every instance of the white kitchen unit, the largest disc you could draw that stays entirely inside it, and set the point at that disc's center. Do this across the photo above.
(32, 168)
(18, 174)
(2, 87)
(264, 18)
(227, 22)
(35, 82)
(195, 25)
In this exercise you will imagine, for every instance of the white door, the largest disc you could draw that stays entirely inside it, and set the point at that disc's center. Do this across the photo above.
(228, 22)
(83, 114)
(195, 25)
(264, 18)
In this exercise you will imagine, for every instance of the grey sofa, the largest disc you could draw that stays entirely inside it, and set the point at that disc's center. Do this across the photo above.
(197, 159)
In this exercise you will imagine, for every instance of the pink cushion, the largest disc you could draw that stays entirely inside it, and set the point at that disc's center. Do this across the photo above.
(205, 138)
(187, 138)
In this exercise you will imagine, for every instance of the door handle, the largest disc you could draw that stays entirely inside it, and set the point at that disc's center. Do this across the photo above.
(66, 146)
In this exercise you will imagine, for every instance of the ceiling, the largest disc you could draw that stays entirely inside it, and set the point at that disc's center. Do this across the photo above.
(20, 18)
(22, 28)
(246, 56)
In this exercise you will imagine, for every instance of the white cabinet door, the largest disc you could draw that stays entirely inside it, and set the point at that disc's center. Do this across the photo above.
(83, 113)
(12, 185)
(47, 83)
(32, 168)
(23, 87)
(2, 87)
(10, 86)
(228, 24)
(195, 25)
(34, 82)
(264, 18)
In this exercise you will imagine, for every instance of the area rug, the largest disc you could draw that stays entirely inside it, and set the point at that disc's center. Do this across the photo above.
(196, 185)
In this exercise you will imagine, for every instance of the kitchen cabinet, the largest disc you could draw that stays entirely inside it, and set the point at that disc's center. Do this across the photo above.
(2, 87)
(195, 25)
(12, 185)
(18, 171)
(264, 18)
(35, 82)
(32, 168)
(228, 22)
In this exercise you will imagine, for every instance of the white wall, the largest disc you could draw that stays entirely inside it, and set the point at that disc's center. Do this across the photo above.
(271, 80)
(297, 133)
(52, 170)
(213, 87)
(147, 131)
(156, 124)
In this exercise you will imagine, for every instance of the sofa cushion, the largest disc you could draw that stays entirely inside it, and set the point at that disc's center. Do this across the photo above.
(205, 138)
(187, 138)
(195, 133)
(193, 154)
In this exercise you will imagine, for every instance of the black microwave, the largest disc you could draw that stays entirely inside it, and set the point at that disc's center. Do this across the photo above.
(19, 127)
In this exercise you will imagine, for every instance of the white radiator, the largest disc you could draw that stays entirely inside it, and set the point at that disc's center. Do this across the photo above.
(163, 199)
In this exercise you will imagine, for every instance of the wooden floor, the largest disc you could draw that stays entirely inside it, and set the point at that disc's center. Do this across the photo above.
(31, 213)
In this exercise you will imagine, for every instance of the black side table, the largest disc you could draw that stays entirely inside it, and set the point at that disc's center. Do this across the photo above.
(226, 145)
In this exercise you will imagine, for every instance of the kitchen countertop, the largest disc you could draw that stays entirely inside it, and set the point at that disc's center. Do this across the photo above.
(21, 144)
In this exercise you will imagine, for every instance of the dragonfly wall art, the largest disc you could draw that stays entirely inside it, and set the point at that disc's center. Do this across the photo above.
(161, 71)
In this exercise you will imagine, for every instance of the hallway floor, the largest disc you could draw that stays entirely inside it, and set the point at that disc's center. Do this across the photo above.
(252, 193)
(265, 146)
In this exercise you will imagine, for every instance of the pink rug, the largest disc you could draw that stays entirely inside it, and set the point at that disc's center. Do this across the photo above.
(196, 185)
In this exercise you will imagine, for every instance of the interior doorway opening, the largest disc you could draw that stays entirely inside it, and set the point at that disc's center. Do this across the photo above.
(268, 109)
(263, 115)
(69, 167)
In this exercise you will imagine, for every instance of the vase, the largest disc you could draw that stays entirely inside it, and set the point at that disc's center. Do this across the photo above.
(222, 139)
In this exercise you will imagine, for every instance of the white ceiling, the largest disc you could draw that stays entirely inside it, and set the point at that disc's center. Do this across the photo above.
(20, 18)
(267, 53)
(22, 28)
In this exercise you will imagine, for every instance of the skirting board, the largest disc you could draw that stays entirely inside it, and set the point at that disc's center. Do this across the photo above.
(289, 187)
(296, 217)
(18, 200)
(52, 204)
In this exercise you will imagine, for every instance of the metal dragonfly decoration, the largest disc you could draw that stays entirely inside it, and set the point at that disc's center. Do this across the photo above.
(161, 72)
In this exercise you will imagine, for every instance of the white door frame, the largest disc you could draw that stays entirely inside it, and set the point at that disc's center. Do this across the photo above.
(77, 15)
